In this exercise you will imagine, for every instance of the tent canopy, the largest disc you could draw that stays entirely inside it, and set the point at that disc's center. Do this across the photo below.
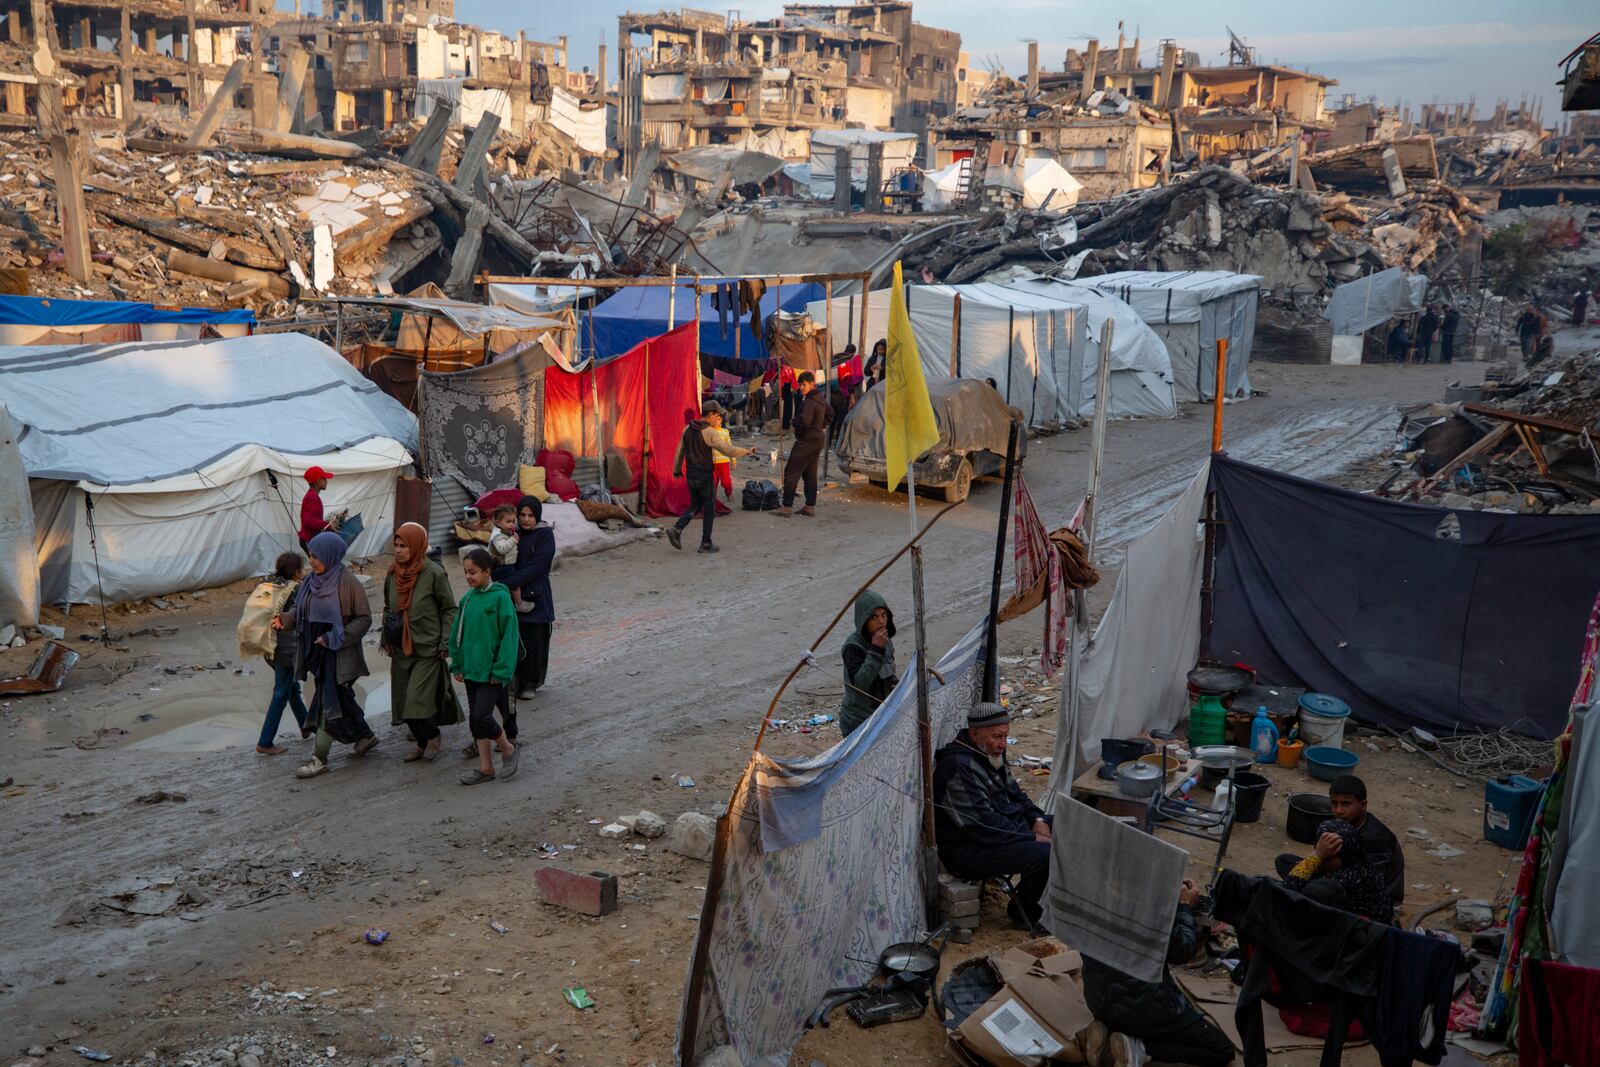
(131, 414)
(638, 313)
(51, 311)
(1358, 306)
(1040, 178)
(1191, 310)
(708, 163)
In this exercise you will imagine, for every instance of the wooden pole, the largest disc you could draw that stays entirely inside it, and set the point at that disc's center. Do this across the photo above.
(955, 337)
(991, 669)
(644, 460)
(672, 298)
(695, 367)
(1216, 401)
(827, 299)
(866, 281)
(930, 861)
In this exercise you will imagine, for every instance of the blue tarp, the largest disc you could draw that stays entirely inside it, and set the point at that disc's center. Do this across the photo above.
(49, 311)
(639, 313)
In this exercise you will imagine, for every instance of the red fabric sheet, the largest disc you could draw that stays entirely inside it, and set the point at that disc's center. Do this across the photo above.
(669, 365)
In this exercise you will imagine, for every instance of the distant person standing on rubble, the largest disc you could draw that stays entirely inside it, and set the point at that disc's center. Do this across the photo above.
(1399, 342)
(1530, 324)
(1447, 334)
(1580, 308)
(1426, 328)
(810, 438)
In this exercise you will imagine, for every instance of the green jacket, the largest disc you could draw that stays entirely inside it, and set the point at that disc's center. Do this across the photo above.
(433, 609)
(869, 671)
(483, 643)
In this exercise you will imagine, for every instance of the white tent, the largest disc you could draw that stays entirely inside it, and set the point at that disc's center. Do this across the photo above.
(940, 187)
(19, 564)
(899, 150)
(1191, 310)
(1037, 339)
(1043, 180)
(186, 457)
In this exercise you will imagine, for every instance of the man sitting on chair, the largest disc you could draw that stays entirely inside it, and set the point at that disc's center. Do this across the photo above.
(984, 824)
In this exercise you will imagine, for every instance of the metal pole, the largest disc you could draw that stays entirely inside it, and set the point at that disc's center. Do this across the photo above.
(955, 337)
(697, 396)
(338, 329)
(1080, 601)
(827, 298)
(866, 280)
(991, 672)
(672, 297)
(930, 863)
(1216, 400)
(1011, 339)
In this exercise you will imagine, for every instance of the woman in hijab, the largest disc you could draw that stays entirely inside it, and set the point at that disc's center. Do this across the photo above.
(1340, 874)
(529, 578)
(418, 610)
(877, 363)
(332, 614)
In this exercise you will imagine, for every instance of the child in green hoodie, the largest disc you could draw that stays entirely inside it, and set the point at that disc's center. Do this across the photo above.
(483, 654)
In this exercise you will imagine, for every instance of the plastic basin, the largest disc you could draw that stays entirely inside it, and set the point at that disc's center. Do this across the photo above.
(1326, 763)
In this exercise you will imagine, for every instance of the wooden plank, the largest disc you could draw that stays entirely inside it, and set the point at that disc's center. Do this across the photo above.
(246, 253)
(1485, 444)
(424, 151)
(287, 166)
(464, 260)
(210, 269)
(211, 118)
(379, 230)
(1537, 421)
(474, 157)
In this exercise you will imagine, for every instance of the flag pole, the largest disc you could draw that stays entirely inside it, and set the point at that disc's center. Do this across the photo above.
(991, 670)
(930, 855)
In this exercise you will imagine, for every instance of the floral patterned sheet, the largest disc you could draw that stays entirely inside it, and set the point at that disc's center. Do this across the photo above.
(479, 425)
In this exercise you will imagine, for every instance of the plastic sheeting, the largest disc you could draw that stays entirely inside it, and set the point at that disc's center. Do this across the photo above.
(1191, 310)
(537, 299)
(941, 187)
(971, 417)
(19, 562)
(138, 413)
(823, 871)
(1039, 341)
(1413, 615)
(899, 150)
(1574, 920)
(641, 312)
(1358, 306)
(52, 311)
(659, 88)
(1134, 672)
(587, 128)
(188, 533)
(610, 407)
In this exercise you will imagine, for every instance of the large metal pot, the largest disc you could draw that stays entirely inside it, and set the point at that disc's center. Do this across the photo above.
(1141, 780)
(1307, 812)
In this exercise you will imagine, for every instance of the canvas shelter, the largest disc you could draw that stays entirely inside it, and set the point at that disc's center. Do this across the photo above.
(638, 313)
(899, 151)
(39, 320)
(1038, 340)
(187, 457)
(1357, 306)
(1038, 181)
(1191, 310)
(941, 187)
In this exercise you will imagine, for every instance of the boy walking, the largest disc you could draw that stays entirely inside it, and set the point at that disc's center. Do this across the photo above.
(693, 461)
(483, 654)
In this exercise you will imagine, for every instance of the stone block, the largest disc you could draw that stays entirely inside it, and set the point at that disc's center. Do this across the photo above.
(693, 834)
(614, 831)
(591, 894)
(649, 824)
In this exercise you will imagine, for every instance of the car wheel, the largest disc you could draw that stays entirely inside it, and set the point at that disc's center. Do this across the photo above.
(961, 485)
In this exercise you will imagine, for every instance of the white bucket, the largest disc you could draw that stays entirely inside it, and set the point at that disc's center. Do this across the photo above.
(1318, 729)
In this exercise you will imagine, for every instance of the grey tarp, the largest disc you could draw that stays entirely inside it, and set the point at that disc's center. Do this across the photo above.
(1574, 919)
(1358, 306)
(971, 417)
(19, 561)
(480, 425)
(708, 163)
(1413, 615)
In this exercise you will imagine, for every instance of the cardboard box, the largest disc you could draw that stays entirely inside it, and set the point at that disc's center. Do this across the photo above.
(1035, 1017)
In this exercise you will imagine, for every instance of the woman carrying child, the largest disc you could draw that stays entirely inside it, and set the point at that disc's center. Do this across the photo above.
(529, 576)
(483, 654)
(418, 611)
(285, 682)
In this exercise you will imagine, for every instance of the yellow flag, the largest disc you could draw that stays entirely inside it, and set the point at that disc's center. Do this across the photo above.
(909, 428)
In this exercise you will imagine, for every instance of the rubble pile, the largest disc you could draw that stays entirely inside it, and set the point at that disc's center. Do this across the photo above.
(1216, 219)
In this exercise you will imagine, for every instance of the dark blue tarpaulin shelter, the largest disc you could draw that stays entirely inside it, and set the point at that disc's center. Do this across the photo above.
(639, 313)
(49, 311)
(1413, 615)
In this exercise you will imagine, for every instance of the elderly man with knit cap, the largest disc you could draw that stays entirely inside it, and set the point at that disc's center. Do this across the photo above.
(984, 824)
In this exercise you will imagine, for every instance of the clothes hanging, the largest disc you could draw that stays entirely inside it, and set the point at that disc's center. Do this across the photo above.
(1410, 1017)
(1560, 1019)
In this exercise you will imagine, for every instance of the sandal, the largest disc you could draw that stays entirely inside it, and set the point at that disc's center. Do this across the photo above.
(363, 746)
(471, 750)
(270, 750)
(475, 776)
(508, 764)
(414, 755)
(431, 753)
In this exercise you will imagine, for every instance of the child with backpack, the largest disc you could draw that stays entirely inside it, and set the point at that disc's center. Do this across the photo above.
(285, 685)
(483, 654)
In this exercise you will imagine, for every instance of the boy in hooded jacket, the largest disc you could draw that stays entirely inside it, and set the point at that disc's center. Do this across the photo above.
(869, 668)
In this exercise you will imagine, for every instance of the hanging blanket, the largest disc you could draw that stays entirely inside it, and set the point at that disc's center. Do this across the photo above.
(480, 425)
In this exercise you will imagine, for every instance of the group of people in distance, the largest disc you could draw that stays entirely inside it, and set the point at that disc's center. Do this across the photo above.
(987, 828)
(1434, 323)
(495, 641)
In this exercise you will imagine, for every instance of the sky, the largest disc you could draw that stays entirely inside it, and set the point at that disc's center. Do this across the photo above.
(1414, 50)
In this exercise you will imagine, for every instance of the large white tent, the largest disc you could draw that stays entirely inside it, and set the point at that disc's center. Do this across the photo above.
(899, 151)
(1191, 310)
(1038, 340)
(187, 457)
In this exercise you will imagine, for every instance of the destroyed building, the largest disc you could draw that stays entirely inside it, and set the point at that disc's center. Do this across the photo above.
(706, 79)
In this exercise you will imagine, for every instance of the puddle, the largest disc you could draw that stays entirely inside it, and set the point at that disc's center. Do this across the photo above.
(208, 722)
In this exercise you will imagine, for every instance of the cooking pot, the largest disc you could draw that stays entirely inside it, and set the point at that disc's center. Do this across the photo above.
(1307, 811)
(1215, 760)
(1135, 779)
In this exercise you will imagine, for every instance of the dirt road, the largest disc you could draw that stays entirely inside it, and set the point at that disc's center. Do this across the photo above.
(663, 663)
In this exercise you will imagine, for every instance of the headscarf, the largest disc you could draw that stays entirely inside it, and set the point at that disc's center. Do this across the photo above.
(535, 505)
(405, 578)
(1362, 880)
(319, 597)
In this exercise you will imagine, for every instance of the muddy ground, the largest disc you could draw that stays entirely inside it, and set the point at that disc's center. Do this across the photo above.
(663, 663)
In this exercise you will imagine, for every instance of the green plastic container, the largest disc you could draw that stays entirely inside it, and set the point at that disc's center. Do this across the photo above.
(1208, 721)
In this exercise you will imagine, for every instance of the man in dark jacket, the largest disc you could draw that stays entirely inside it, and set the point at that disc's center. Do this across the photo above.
(1447, 333)
(1157, 1014)
(810, 437)
(868, 654)
(693, 462)
(984, 824)
(1427, 326)
(1399, 343)
(1530, 326)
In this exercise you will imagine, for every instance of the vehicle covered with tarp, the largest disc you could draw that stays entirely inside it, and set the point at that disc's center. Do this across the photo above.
(974, 428)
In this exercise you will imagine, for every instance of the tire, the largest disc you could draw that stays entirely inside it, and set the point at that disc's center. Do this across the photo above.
(961, 486)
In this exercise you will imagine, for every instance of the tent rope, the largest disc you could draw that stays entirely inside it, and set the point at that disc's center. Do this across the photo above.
(94, 548)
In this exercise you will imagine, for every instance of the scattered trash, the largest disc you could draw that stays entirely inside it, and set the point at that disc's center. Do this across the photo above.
(499, 927)
(488, 1039)
(685, 782)
(48, 670)
(376, 937)
(91, 1054)
(161, 796)
(576, 995)
(1445, 852)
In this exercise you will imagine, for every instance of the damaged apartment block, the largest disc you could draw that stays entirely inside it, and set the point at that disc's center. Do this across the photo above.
(118, 61)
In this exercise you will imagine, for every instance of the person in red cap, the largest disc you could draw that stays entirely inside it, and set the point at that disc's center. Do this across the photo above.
(311, 520)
